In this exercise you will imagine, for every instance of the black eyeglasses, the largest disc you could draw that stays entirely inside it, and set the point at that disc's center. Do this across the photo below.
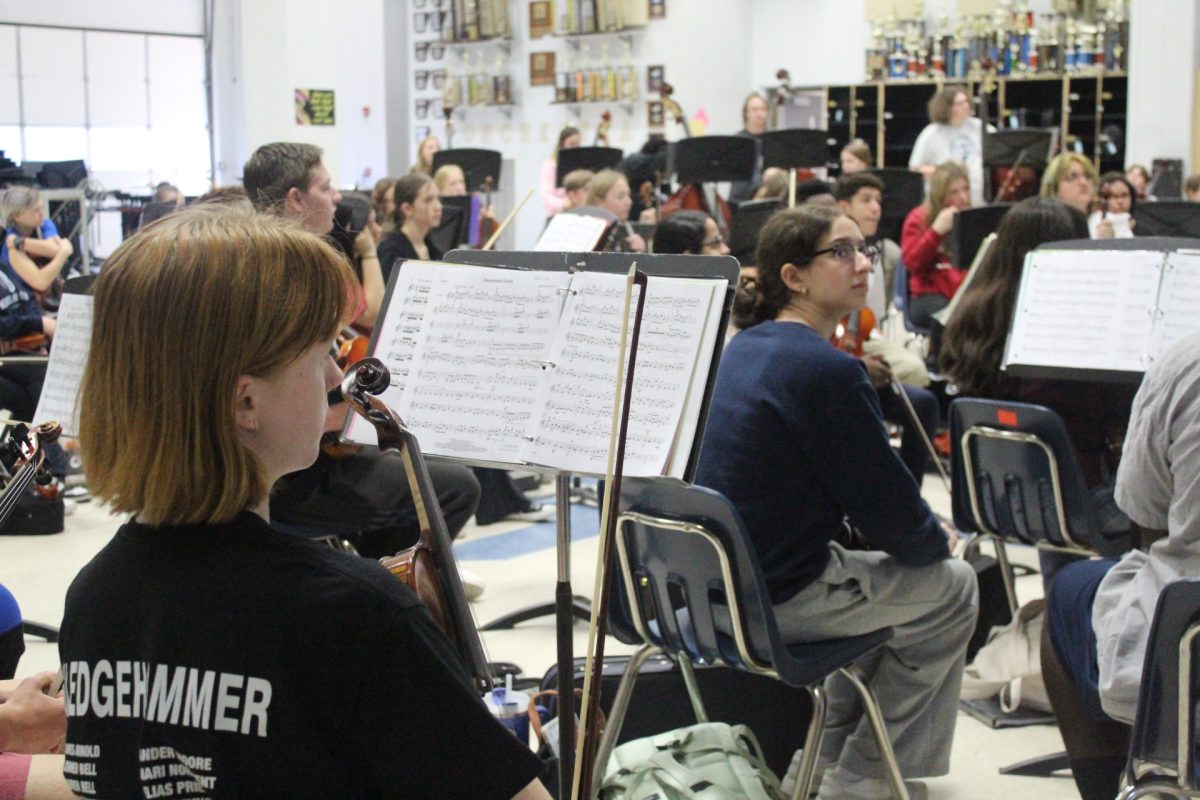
(844, 252)
(716, 241)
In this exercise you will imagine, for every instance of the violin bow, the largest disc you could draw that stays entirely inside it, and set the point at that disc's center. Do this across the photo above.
(589, 721)
(491, 242)
(916, 423)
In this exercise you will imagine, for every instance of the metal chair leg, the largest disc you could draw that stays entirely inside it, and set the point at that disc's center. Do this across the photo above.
(693, 688)
(616, 716)
(812, 744)
(871, 707)
(1006, 573)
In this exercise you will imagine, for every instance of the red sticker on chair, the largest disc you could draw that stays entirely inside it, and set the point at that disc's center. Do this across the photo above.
(1008, 418)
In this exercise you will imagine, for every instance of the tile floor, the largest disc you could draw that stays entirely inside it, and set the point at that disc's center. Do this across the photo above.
(517, 562)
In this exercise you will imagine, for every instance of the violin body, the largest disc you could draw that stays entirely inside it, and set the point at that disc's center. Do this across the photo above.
(854, 330)
(1015, 184)
(418, 568)
(691, 198)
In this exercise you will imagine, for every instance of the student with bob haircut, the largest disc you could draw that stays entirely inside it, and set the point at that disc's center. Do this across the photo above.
(201, 645)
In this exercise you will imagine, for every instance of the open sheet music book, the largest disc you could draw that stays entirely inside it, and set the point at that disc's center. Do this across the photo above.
(1104, 310)
(519, 367)
(572, 233)
(68, 358)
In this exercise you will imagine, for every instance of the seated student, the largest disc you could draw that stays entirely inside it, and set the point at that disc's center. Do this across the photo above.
(32, 257)
(774, 185)
(860, 196)
(32, 727)
(575, 184)
(689, 232)
(608, 189)
(553, 196)
(856, 157)
(273, 666)
(356, 233)
(1139, 177)
(1191, 188)
(1113, 217)
(1099, 612)
(418, 213)
(925, 246)
(796, 442)
(1071, 178)
(384, 197)
(1095, 414)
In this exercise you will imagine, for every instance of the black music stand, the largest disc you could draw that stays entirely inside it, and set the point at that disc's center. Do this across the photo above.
(795, 148)
(567, 607)
(477, 165)
(748, 221)
(971, 227)
(903, 190)
(1017, 147)
(711, 159)
(1168, 218)
(455, 227)
(592, 158)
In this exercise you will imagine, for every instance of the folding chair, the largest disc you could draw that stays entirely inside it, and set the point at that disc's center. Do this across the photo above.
(1162, 751)
(691, 587)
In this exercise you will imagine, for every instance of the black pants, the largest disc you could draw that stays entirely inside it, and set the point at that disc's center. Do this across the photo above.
(12, 646)
(20, 389)
(365, 497)
(922, 308)
(912, 449)
(499, 496)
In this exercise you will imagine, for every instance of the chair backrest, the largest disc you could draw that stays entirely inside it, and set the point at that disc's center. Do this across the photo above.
(10, 611)
(1014, 473)
(689, 578)
(1168, 675)
(900, 298)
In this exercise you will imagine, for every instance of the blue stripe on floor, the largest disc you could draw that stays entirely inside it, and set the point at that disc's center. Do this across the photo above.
(585, 523)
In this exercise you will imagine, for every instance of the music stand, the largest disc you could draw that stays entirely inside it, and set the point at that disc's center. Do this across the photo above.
(747, 223)
(1018, 147)
(795, 148)
(1168, 218)
(593, 158)
(62, 174)
(455, 228)
(712, 159)
(477, 165)
(903, 190)
(971, 227)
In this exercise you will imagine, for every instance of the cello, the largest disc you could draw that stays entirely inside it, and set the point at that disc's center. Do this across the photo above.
(427, 567)
(693, 196)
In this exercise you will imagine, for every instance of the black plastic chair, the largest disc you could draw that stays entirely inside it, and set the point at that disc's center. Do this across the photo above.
(900, 298)
(1015, 477)
(690, 586)
(1162, 752)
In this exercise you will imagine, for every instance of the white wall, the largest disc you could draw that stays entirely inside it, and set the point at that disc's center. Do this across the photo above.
(1164, 53)
(265, 49)
(143, 16)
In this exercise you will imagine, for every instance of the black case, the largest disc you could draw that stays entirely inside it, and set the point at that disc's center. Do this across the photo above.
(34, 516)
(777, 713)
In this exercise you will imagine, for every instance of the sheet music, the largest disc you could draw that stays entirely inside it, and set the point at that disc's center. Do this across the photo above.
(68, 358)
(571, 233)
(572, 431)
(1178, 302)
(1085, 309)
(685, 437)
(479, 359)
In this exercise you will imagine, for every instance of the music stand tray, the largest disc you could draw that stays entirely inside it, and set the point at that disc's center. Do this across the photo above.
(748, 221)
(477, 165)
(1168, 218)
(593, 158)
(712, 159)
(795, 148)
(1002, 148)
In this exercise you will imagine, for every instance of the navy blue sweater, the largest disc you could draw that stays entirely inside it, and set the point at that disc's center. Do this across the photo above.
(796, 441)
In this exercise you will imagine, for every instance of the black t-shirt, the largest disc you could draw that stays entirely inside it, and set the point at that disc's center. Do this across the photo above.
(237, 661)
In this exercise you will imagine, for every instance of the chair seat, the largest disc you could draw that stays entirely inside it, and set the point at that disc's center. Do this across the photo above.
(811, 662)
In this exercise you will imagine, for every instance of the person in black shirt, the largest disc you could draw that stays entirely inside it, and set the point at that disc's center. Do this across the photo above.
(418, 213)
(796, 441)
(204, 652)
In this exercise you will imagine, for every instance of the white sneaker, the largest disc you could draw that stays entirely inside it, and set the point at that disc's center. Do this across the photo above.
(473, 585)
(842, 784)
(537, 513)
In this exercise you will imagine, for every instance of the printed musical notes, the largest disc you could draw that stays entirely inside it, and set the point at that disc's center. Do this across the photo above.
(571, 233)
(515, 366)
(68, 359)
(1112, 310)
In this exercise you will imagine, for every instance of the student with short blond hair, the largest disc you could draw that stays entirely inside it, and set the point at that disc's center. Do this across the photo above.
(204, 651)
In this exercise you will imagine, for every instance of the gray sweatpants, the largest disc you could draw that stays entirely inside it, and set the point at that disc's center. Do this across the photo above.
(916, 676)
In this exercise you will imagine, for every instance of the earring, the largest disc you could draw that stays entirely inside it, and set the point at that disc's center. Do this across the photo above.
(804, 291)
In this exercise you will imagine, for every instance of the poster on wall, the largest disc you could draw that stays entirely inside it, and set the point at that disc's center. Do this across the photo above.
(541, 19)
(314, 107)
(541, 69)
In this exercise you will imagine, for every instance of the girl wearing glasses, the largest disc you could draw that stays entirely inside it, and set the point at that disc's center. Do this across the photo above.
(925, 243)
(1071, 178)
(689, 233)
(797, 444)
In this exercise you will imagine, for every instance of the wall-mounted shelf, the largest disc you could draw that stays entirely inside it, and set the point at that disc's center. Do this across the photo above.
(574, 39)
(460, 45)
(576, 106)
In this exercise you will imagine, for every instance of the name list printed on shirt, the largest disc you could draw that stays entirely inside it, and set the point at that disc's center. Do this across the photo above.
(517, 366)
(168, 695)
(1106, 310)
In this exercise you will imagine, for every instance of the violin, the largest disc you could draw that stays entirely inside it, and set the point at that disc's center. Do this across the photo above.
(650, 198)
(601, 139)
(853, 331)
(487, 221)
(427, 567)
(693, 196)
(25, 452)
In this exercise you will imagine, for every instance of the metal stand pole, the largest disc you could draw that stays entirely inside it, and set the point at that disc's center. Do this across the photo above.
(564, 623)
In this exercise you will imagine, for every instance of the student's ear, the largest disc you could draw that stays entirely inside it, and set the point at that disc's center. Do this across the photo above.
(793, 277)
(292, 201)
(843, 205)
(245, 405)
